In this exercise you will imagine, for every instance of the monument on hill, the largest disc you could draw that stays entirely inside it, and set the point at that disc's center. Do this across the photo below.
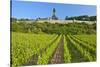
(53, 17)
(54, 14)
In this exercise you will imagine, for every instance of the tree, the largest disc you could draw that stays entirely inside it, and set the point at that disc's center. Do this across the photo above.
(66, 18)
(13, 19)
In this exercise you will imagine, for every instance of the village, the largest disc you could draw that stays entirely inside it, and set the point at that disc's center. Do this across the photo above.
(54, 19)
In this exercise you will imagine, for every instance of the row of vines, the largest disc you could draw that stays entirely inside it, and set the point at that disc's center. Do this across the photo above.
(33, 49)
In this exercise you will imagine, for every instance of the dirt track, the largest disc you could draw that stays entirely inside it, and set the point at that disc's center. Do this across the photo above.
(58, 54)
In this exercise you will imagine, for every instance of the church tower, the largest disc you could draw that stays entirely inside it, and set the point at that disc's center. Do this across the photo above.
(54, 14)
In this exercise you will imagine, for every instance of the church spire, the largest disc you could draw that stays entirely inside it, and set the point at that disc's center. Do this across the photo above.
(54, 11)
(54, 14)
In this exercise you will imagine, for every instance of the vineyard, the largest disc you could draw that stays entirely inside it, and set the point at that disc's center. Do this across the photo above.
(36, 49)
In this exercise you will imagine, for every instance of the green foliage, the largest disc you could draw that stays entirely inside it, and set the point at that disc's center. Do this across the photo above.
(84, 51)
(13, 19)
(67, 55)
(82, 18)
(26, 45)
(44, 59)
(89, 39)
(42, 39)
(49, 28)
(88, 47)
